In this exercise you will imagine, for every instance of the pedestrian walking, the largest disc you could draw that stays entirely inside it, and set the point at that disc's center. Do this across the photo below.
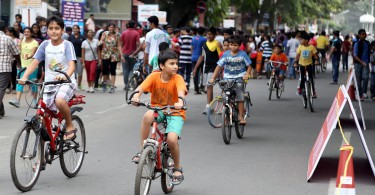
(90, 57)
(7, 49)
(76, 39)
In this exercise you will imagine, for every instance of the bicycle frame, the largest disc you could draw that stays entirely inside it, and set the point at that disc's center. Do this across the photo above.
(155, 140)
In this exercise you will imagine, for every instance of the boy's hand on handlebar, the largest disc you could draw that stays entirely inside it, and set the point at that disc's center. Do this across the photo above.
(21, 81)
(246, 77)
(60, 78)
(178, 105)
(135, 101)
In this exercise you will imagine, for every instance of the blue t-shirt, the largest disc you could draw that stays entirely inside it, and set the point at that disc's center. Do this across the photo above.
(197, 44)
(365, 57)
(234, 66)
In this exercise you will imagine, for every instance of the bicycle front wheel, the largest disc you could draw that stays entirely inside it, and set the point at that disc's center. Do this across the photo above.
(271, 87)
(324, 67)
(26, 158)
(226, 127)
(73, 152)
(309, 96)
(145, 172)
(279, 91)
(214, 112)
(132, 85)
(166, 173)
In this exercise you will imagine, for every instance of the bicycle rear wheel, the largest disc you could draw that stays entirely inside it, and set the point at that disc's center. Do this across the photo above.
(166, 173)
(226, 127)
(26, 158)
(309, 96)
(271, 87)
(73, 152)
(132, 85)
(279, 91)
(145, 172)
(304, 99)
(214, 112)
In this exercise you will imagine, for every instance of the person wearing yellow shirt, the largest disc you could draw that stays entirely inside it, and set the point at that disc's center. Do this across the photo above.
(322, 44)
(304, 59)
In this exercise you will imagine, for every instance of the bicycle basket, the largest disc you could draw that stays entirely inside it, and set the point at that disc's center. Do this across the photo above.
(226, 84)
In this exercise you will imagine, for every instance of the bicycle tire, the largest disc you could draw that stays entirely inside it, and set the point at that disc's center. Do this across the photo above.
(75, 149)
(279, 91)
(304, 99)
(271, 87)
(239, 128)
(132, 85)
(309, 96)
(247, 106)
(166, 179)
(226, 127)
(146, 160)
(36, 167)
(268, 72)
(214, 112)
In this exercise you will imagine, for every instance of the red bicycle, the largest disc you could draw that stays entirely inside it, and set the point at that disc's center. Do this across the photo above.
(40, 141)
(155, 156)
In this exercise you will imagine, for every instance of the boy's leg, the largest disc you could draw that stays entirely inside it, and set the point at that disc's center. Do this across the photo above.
(172, 140)
(147, 120)
(64, 109)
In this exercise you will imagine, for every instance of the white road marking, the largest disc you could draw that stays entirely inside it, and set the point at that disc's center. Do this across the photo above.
(332, 181)
(3, 137)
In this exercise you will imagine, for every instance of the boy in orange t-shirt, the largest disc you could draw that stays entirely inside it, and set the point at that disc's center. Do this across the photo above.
(279, 56)
(166, 88)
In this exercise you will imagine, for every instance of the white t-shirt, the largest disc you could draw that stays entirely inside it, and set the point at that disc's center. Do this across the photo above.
(90, 24)
(293, 46)
(89, 56)
(153, 39)
(141, 54)
(56, 57)
(252, 46)
(220, 39)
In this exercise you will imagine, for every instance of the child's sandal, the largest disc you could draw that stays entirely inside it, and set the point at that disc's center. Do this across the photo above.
(176, 180)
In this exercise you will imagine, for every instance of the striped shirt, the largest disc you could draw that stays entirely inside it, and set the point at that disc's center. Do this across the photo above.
(185, 48)
(267, 49)
(8, 49)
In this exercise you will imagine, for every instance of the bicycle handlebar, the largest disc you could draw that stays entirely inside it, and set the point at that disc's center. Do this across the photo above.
(156, 108)
(28, 82)
(278, 62)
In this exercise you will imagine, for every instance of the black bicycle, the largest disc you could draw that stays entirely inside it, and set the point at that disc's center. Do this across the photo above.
(274, 83)
(230, 110)
(307, 93)
(137, 78)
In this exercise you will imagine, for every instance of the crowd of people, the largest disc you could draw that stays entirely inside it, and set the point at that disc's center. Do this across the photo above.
(204, 53)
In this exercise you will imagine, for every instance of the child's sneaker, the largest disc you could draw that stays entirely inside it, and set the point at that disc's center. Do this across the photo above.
(14, 103)
(104, 84)
(112, 90)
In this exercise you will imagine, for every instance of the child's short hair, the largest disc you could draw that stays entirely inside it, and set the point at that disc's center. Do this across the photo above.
(187, 29)
(163, 46)
(226, 40)
(278, 46)
(305, 36)
(166, 55)
(212, 30)
(176, 30)
(56, 19)
(235, 39)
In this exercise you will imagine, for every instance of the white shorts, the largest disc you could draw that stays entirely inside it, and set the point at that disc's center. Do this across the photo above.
(207, 77)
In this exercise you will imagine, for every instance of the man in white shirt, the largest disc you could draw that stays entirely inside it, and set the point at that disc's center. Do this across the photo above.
(153, 39)
(291, 51)
(104, 28)
(90, 23)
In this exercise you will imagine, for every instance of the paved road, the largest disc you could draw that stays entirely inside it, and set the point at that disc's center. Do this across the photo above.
(271, 158)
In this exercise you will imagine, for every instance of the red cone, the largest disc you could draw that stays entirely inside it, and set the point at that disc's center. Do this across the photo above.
(345, 184)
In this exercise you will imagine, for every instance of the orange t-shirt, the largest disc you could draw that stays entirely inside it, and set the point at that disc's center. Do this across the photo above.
(163, 94)
(280, 58)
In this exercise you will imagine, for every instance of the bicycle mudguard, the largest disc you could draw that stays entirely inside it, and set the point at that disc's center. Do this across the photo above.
(75, 109)
(29, 119)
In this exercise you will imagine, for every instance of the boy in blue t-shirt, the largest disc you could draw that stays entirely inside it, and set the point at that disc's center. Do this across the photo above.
(236, 65)
(57, 54)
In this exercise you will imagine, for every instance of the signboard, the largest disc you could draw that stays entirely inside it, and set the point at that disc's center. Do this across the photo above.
(351, 79)
(72, 11)
(145, 11)
(108, 9)
(162, 16)
(28, 4)
(201, 7)
(228, 23)
(329, 125)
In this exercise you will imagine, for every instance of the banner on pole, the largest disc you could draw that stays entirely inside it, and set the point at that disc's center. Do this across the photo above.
(28, 4)
(72, 11)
